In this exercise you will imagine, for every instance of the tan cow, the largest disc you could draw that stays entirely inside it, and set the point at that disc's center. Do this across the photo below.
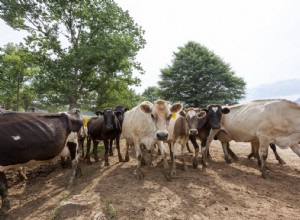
(180, 128)
(262, 122)
(147, 124)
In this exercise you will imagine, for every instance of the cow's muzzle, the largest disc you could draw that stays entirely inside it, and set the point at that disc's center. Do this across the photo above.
(162, 136)
(193, 132)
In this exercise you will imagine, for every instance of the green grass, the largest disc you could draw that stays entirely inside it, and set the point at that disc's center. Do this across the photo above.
(110, 210)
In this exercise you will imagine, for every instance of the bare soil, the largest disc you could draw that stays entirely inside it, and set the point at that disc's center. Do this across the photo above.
(222, 191)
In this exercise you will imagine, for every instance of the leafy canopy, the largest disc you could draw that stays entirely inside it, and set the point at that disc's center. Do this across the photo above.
(77, 44)
(198, 77)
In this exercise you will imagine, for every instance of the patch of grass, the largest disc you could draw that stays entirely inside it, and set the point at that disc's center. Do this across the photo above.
(54, 214)
(100, 147)
(110, 210)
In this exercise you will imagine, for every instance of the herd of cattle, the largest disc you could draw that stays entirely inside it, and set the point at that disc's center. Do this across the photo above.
(28, 139)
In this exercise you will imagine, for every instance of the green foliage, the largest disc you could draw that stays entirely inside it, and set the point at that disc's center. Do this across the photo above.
(80, 46)
(198, 77)
(16, 71)
(151, 93)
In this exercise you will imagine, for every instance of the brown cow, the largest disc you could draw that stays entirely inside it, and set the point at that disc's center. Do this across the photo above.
(181, 127)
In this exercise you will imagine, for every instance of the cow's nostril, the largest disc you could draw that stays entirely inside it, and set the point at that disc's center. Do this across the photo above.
(193, 132)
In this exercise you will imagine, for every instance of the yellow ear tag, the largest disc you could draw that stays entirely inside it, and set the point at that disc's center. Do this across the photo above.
(173, 115)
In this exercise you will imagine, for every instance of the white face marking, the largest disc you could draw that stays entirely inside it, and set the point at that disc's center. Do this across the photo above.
(16, 137)
(215, 109)
(190, 114)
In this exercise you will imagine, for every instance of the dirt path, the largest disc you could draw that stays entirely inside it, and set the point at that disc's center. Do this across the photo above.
(222, 191)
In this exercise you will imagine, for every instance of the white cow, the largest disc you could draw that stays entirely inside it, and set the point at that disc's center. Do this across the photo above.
(262, 122)
(146, 124)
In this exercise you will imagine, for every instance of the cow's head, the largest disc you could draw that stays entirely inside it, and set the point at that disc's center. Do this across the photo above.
(161, 113)
(120, 111)
(192, 117)
(214, 115)
(109, 118)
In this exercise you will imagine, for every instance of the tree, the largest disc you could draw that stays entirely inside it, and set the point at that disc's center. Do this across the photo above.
(198, 77)
(78, 45)
(16, 70)
(151, 93)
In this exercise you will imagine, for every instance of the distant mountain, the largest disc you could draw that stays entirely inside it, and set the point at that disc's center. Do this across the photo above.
(286, 89)
(298, 101)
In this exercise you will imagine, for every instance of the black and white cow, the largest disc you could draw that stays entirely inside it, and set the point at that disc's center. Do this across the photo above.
(29, 139)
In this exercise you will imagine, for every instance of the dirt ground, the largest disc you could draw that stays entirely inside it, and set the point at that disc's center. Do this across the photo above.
(222, 191)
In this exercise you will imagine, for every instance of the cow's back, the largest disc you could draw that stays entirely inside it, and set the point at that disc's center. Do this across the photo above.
(137, 124)
(271, 118)
(23, 135)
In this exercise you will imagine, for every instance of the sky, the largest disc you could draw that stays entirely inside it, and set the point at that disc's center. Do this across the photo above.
(260, 39)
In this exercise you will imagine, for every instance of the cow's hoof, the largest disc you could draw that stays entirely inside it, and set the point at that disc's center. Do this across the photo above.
(127, 159)
(185, 168)
(78, 172)
(121, 159)
(195, 164)
(167, 176)
(228, 160)
(143, 162)
(281, 161)
(264, 175)
(205, 164)
(173, 173)
(111, 154)
(106, 164)
(138, 175)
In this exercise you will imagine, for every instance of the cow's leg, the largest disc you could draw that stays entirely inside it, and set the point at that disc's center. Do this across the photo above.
(196, 147)
(88, 149)
(22, 173)
(184, 153)
(231, 153)
(111, 153)
(118, 148)
(255, 152)
(171, 151)
(227, 157)
(278, 158)
(106, 145)
(296, 149)
(4, 193)
(76, 170)
(263, 154)
(173, 161)
(188, 147)
(138, 173)
(252, 152)
(95, 145)
(127, 152)
(204, 153)
(164, 156)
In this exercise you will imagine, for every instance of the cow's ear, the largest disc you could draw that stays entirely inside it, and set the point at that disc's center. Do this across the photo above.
(126, 109)
(204, 109)
(182, 113)
(99, 113)
(145, 108)
(225, 110)
(201, 114)
(176, 108)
